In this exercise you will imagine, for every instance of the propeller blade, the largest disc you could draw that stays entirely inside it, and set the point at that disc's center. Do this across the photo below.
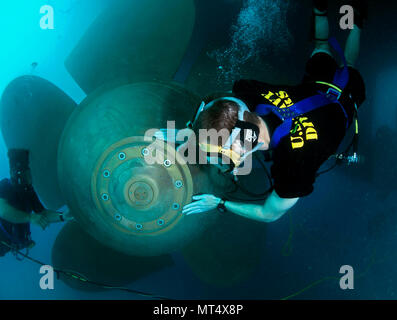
(133, 41)
(76, 252)
(227, 254)
(34, 113)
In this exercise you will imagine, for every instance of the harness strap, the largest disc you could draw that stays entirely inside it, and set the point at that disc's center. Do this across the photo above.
(287, 114)
(309, 104)
(341, 77)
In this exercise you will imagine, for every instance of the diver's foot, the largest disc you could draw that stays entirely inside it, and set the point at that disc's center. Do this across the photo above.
(319, 17)
(320, 7)
(360, 12)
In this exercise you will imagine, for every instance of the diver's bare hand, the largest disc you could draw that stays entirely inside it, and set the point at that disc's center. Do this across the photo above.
(67, 216)
(203, 203)
(184, 137)
(174, 135)
(166, 134)
(40, 220)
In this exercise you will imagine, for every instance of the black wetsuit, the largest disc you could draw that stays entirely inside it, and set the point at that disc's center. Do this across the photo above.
(24, 199)
(315, 136)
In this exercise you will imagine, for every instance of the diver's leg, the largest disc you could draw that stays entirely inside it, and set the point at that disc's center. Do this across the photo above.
(352, 49)
(321, 27)
(321, 65)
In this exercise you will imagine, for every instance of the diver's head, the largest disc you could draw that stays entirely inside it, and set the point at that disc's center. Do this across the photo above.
(231, 131)
(19, 167)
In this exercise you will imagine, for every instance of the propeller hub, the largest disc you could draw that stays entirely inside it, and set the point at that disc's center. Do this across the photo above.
(137, 193)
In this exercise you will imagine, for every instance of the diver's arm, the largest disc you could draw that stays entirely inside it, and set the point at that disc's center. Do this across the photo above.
(52, 216)
(11, 214)
(57, 216)
(273, 208)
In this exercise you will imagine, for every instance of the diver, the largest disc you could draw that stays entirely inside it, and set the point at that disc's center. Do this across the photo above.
(20, 206)
(297, 127)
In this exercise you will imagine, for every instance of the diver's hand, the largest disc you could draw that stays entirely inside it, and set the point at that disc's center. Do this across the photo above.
(164, 134)
(67, 216)
(40, 220)
(186, 134)
(203, 203)
(175, 135)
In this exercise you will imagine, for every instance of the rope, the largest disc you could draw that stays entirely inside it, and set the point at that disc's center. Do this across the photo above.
(74, 275)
